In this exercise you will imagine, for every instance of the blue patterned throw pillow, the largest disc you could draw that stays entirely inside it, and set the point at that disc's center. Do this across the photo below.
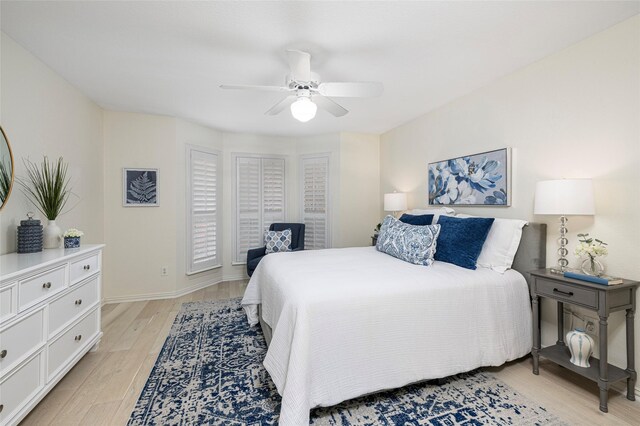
(411, 243)
(276, 241)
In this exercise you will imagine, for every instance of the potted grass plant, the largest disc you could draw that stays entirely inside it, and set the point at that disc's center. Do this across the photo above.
(47, 187)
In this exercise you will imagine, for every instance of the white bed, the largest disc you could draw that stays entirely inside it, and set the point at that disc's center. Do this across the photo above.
(348, 322)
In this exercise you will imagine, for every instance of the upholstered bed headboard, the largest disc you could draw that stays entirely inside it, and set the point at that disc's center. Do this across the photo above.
(532, 251)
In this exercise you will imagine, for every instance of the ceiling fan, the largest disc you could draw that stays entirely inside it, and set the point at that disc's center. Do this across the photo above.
(306, 93)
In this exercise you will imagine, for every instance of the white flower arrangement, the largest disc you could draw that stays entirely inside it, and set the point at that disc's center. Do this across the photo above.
(591, 247)
(73, 233)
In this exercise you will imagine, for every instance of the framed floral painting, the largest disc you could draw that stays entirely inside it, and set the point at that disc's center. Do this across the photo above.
(475, 180)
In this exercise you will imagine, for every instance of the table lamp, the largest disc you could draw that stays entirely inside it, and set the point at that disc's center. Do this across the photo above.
(564, 197)
(395, 202)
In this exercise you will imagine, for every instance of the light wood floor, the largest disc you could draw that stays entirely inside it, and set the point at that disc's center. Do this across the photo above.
(103, 387)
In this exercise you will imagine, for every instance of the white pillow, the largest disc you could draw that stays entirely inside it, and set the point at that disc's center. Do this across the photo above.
(501, 244)
(436, 212)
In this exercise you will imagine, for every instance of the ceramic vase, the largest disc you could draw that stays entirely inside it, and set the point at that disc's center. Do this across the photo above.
(52, 235)
(581, 347)
(71, 242)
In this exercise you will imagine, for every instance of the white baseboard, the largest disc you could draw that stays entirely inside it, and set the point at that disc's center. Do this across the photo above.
(168, 294)
(242, 276)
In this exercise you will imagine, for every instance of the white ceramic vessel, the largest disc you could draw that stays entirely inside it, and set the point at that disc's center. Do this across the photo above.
(52, 235)
(581, 347)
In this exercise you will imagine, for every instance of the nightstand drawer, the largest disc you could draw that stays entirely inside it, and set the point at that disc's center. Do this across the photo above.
(567, 293)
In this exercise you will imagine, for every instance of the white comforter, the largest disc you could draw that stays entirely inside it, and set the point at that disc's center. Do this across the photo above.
(347, 322)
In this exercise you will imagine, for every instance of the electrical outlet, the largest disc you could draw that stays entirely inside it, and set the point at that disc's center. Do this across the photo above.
(591, 325)
(164, 271)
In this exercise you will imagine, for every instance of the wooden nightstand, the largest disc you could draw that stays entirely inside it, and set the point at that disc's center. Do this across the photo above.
(600, 298)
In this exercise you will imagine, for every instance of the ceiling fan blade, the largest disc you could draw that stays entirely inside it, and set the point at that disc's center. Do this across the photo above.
(255, 87)
(329, 105)
(281, 106)
(365, 89)
(300, 64)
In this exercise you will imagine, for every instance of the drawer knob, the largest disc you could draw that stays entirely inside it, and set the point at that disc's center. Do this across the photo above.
(79, 302)
(86, 267)
(3, 353)
(46, 285)
(563, 293)
(78, 337)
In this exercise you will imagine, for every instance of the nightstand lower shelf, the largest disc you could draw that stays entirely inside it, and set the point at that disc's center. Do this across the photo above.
(560, 355)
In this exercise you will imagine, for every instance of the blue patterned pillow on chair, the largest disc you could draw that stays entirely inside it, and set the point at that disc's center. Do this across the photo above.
(411, 243)
(277, 241)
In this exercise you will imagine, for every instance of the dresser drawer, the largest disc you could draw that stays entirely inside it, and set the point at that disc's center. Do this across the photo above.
(81, 269)
(8, 301)
(20, 387)
(567, 293)
(41, 286)
(71, 342)
(72, 305)
(18, 340)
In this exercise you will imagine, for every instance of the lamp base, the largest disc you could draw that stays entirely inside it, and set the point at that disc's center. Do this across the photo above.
(563, 263)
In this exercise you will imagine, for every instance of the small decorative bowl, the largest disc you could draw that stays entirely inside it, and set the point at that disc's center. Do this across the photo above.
(71, 242)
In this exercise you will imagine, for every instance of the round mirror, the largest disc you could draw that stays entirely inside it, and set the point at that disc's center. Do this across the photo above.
(6, 168)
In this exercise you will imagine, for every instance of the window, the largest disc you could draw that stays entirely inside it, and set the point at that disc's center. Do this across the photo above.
(314, 177)
(202, 209)
(260, 200)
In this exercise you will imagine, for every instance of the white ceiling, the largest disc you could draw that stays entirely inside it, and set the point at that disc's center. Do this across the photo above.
(170, 57)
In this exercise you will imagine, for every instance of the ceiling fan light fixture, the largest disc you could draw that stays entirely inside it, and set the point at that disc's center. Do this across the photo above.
(303, 109)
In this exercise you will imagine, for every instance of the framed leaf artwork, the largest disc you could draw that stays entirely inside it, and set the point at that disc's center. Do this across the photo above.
(140, 187)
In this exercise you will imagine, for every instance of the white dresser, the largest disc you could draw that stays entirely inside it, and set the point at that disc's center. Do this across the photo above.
(49, 318)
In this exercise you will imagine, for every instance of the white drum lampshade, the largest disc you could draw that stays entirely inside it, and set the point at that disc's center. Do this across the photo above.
(395, 202)
(566, 197)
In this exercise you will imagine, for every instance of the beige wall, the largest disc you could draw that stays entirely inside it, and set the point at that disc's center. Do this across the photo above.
(43, 115)
(360, 199)
(140, 240)
(143, 240)
(573, 114)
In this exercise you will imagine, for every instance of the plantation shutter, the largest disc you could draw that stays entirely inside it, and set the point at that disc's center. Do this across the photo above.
(248, 201)
(260, 200)
(315, 201)
(272, 191)
(203, 211)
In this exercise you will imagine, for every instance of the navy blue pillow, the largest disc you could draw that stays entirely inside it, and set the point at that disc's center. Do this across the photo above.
(461, 240)
(420, 220)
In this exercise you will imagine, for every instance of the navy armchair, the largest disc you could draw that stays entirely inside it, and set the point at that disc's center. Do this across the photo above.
(254, 256)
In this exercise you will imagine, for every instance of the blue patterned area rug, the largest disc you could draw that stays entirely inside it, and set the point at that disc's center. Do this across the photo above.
(210, 372)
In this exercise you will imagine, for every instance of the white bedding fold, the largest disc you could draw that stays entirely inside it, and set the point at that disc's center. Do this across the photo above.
(347, 322)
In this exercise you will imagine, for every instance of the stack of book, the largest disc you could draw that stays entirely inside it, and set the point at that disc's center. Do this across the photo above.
(602, 279)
